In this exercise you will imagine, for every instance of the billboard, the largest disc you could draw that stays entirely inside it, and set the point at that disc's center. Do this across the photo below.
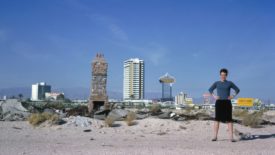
(245, 102)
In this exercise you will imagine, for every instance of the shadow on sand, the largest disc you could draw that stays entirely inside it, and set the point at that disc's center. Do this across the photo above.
(253, 137)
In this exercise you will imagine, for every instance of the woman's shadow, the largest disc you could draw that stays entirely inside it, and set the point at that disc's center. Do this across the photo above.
(245, 137)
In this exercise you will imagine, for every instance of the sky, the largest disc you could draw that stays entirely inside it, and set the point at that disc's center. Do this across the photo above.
(56, 40)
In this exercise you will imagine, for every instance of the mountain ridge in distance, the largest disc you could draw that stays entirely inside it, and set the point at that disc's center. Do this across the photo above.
(83, 93)
(70, 92)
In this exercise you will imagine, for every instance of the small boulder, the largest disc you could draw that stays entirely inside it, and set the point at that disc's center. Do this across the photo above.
(48, 110)
(141, 116)
(101, 114)
(181, 119)
(172, 115)
(82, 121)
(12, 110)
(118, 114)
(165, 115)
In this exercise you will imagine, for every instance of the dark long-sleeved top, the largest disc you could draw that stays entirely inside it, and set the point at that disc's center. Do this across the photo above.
(223, 88)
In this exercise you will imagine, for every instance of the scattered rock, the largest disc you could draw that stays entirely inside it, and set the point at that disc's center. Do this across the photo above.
(87, 130)
(172, 115)
(14, 127)
(161, 133)
(59, 121)
(238, 134)
(78, 111)
(245, 136)
(101, 108)
(82, 121)
(165, 115)
(103, 144)
(143, 112)
(182, 127)
(157, 113)
(118, 114)
(99, 117)
(9, 116)
(100, 126)
(12, 110)
(50, 111)
(79, 121)
(141, 116)
(269, 117)
(181, 119)
(101, 114)
(198, 115)
(57, 128)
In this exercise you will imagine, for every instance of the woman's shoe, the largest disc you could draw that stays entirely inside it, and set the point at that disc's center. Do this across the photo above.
(233, 140)
(214, 139)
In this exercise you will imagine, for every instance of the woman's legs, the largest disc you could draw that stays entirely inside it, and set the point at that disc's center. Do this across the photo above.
(230, 129)
(216, 129)
(230, 121)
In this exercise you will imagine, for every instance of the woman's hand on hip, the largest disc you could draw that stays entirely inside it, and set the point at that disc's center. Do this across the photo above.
(216, 97)
(230, 97)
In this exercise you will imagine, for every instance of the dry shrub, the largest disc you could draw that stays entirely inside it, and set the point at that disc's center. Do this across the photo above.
(109, 121)
(38, 118)
(253, 120)
(240, 113)
(107, 106)
(79, 110)
(188, 110)
(130, 118)
(155, 108)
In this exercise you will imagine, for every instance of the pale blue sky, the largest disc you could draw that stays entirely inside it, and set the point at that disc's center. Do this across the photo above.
(55, 40)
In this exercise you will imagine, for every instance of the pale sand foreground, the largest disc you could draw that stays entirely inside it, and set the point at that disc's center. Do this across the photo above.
(148, 136)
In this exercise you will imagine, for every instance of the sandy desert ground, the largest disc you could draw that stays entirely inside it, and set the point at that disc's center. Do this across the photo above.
(147, 136)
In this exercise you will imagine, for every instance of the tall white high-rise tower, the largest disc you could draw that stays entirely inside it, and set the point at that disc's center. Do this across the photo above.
(133, 79)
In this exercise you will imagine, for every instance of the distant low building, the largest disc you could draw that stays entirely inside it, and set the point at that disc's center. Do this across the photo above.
(39, 90)
(189, 101)
(54, 96)
(132, 103)
(208, 99)
(182, 100)
(79, 101)
(270, 107)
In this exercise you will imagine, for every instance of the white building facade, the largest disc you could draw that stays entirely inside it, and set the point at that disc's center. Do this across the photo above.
(133, 79)
(180, 98)
(39, 90)
(54, 96)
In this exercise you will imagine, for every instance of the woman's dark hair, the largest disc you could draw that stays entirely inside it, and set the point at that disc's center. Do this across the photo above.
(224, 70)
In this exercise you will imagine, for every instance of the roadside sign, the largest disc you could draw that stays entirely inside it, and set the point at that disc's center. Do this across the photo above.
(245, 102)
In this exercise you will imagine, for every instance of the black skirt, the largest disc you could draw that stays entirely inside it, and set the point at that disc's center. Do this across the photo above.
(223, 111)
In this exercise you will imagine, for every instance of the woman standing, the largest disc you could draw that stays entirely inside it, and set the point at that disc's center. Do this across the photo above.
(223, 106)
